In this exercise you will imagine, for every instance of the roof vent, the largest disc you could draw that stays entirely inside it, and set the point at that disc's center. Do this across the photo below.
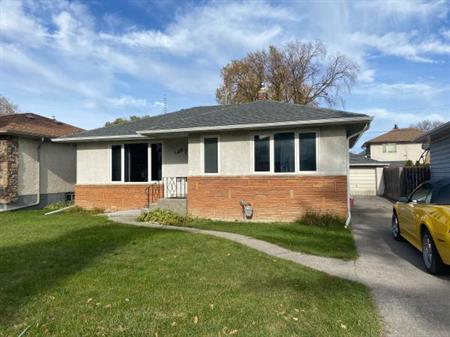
(395, 127)
(30, 116)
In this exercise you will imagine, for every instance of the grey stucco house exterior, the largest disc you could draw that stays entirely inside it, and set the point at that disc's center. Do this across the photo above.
(283, 159)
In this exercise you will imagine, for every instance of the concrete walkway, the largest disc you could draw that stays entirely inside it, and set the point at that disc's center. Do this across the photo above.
(411, 302)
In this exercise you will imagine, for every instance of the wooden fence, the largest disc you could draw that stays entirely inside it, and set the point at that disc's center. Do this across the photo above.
(400, 181)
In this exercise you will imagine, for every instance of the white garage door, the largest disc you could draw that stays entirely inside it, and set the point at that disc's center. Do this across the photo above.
(363, 181)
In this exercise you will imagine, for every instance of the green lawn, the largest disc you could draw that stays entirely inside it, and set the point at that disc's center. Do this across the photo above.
(335, 241)
(81, 275)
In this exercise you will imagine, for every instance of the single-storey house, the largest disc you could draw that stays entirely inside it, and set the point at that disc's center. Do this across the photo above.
(283, 159)
(33, 170)
(366, 175)
(439, 146)
(396, 146)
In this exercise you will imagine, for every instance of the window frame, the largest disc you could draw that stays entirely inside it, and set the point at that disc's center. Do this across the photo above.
(122, 165)
(394, 147)
(202, 155)
(296, 132)
(271, 152)
(122, 174)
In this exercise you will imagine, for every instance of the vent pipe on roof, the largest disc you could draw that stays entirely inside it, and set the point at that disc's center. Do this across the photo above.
(395, 127)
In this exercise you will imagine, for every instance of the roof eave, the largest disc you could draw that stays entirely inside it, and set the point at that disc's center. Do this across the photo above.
(331, 121)
(96, 138)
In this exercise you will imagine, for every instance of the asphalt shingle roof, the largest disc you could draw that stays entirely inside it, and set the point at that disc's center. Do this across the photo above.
(361, 160)
(30, 124)
(406, 135)
(259, 112)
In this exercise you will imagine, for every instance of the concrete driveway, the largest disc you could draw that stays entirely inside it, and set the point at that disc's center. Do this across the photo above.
(411, 302)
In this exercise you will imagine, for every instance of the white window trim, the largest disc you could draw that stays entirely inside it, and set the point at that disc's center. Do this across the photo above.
(122, 164)
(296, 171)
(202, 155)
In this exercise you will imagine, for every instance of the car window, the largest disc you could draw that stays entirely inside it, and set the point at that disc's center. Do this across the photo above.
(422, 195)
(442, 197)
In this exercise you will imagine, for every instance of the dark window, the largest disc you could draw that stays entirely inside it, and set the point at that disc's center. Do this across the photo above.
(442, 195)
(156, 162)
(308, 151)
(421, 194)
(262, 153)
(136, 162)
(211, 155)
(284, 152)
(116, 163)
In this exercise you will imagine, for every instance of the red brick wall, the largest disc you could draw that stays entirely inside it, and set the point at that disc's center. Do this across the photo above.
(116, 197)
(283, 198)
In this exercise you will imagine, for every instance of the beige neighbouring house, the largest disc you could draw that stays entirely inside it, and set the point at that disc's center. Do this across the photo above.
(279, 159)
(396, 146)
(33, 170)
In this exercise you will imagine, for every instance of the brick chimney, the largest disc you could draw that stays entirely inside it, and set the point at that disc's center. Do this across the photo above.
(263, 93)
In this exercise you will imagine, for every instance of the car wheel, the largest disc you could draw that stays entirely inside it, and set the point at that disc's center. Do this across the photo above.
(431, 259)
(396, 227)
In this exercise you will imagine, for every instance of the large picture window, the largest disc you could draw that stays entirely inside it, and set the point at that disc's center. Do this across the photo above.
(262, 153)
(284, 152)
(136, 162)
(307, 151)
(116, 163)
(211, 155)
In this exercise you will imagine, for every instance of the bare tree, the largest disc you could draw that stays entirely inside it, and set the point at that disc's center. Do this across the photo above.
(426, 124)
(6, 106)
(298, 73)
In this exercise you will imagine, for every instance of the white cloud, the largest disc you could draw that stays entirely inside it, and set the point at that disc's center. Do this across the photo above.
(401, 117)
(402, 44)
(128, 102)
(402, 90)
(405, 9)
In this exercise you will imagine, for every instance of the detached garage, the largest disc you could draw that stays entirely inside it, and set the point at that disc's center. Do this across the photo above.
(366, 175)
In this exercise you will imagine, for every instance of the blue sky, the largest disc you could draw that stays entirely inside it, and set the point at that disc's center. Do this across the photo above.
(87, 62)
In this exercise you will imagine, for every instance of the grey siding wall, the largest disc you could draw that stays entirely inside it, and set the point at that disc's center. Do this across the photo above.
(440, 158)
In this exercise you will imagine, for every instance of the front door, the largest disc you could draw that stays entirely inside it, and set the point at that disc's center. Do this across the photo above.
(156, 161)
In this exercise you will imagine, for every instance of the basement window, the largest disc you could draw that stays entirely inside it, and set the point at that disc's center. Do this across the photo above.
(284, 152)
(136, 162)
(307, 149)
(116, 163)
(211, 155)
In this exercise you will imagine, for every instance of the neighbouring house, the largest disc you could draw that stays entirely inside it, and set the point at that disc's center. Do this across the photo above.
(396, 146)
(439, 147)
(33, 170)
(366, 175)
(283, 159)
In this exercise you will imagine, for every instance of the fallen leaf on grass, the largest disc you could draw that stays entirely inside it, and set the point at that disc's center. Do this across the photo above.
(173, 324)
(89, 300)
(195, 319)
(295, 318)
(343, 326)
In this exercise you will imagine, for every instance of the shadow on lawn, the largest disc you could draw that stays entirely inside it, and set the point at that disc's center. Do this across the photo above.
(27, 270)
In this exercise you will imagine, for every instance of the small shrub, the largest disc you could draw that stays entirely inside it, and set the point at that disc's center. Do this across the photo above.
(312, 218)
(163, 217)
(57, 205)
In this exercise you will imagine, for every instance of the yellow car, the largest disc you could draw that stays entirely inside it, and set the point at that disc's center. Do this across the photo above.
(423, 219)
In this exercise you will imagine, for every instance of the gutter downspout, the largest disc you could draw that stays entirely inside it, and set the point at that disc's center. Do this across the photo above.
(38, 195)
(356, 134)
